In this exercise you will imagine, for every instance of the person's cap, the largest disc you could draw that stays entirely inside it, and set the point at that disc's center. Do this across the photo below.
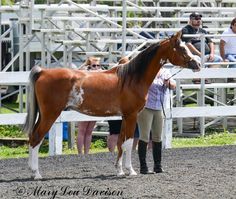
(194, 15)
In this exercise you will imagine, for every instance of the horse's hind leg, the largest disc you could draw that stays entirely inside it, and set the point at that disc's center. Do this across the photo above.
(36, 138)
(33, 161)
(120, 171)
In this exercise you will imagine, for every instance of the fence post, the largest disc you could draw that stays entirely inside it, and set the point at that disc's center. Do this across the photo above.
(55, 139)
(167, 123)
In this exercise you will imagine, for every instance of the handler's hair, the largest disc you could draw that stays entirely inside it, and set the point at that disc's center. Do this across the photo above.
(232, 22)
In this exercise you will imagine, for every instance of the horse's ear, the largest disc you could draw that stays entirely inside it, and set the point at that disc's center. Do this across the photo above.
(176, 39)
(178, 35)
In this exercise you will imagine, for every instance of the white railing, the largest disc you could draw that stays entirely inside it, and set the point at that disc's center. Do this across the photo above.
(220, 108)
(21, 78)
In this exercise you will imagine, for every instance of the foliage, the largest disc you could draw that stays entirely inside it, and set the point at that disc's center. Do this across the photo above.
(12, 131)
(98, 144)
(7, 2)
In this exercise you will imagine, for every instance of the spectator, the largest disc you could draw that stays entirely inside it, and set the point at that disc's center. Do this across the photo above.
(228, 44)
(194, 43)
(85, 128)
(114, 131)
(150, 119)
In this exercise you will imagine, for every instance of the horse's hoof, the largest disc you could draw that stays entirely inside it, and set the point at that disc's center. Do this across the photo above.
(121, 173)
(132, 173)
(38, 177)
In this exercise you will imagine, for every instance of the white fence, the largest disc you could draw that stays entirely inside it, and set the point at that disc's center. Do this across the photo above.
(55, 135)
(220, 108)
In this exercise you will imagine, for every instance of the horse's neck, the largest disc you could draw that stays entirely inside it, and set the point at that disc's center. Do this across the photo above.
(154, 67)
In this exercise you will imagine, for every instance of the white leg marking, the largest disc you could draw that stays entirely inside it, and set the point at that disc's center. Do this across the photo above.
(120, 171)
(127, 145)
(30, 158)
(33, 161)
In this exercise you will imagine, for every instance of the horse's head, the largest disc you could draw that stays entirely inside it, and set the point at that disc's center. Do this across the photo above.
(180, 54)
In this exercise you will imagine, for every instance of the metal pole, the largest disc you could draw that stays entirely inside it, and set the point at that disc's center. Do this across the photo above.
(65, 47)
(179, 104)
(124, 27)
(21, 62)
(27, 53)
(202, 90)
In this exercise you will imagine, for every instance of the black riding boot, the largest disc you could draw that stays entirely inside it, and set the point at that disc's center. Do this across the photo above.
(156, 151)
(142, 151)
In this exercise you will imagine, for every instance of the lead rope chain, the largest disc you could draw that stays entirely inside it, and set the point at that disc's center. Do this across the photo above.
(162, 99)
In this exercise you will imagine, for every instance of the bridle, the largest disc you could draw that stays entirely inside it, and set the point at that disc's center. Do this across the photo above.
(187, 59)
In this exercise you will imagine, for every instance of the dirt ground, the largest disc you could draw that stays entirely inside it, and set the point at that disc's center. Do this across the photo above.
(189, 173)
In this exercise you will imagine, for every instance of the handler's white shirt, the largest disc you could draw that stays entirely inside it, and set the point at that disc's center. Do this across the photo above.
(230, 42)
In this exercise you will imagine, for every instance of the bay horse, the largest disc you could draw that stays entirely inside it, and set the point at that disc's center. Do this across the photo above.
(119, 91)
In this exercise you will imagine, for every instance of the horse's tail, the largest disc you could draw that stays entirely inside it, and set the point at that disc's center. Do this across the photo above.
(32, 109)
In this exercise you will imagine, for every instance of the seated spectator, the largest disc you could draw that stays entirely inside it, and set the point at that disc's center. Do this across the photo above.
(194, 43)
(228, 44)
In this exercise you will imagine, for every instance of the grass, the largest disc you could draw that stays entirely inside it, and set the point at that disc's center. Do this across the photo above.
(99, 146)
(216, 139)
(7, 152)
(12, 131)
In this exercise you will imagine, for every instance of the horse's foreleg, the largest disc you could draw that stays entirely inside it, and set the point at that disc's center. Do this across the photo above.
(128, 125)
(127, 146)
(33, 161)
(125, 143)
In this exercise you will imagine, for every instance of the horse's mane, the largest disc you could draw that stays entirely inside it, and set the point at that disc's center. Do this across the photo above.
(134, 70)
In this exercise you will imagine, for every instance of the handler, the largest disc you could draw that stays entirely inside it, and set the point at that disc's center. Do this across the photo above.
(150, 119)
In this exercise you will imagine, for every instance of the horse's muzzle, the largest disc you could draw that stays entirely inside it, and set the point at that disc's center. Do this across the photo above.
(194, 65)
